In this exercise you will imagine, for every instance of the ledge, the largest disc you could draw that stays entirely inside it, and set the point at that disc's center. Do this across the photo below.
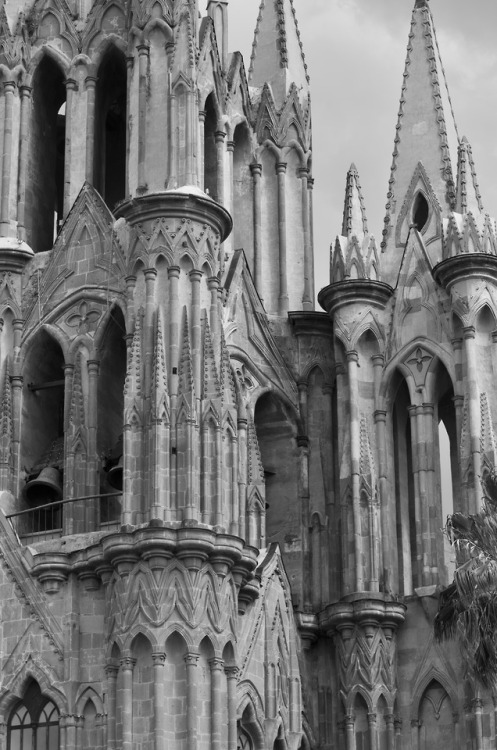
(186, 203)
(311, 323)
(468, 266)
(363, 609)
(120, 551)
(354, 291)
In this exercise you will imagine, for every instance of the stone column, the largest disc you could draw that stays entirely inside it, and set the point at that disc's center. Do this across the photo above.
(70, 723)
(90, 85)
(92, 478)
(143, 58)
(213, 286)
(173, 273)
(8, 88)
(373, 731)
(308, 301)
(219, 137)
(159, 659)
(398, 732)
(350, 731)
(283, 286)
(25, 92)
(256, 170)
(130, 64)
(415, 726)
(201, 149)
(191, 660)
(111, 672)
(232, 678)
(217, 669)
(127, 664)
(195, 279)
(242, 483)
(389, 721)
(355, 458)
(478, 712)
(473, 396)
(16, 383)
(418, 573)
(71, 87)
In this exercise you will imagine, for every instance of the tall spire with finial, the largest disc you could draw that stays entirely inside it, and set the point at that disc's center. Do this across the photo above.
(421, 156)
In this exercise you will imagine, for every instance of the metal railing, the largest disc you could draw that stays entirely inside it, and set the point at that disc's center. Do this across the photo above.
(50, 520)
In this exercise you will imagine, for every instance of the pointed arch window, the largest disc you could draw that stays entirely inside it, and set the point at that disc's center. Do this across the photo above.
(420, 212)
(34, 724)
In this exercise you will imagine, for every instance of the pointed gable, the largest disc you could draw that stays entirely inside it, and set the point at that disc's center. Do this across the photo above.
(277, 52)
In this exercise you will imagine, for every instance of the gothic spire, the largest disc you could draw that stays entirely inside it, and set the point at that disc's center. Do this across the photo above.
(354, 211)
(277, 52)
(425, 130)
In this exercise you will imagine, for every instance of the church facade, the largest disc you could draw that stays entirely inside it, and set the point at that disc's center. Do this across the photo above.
(222, 509)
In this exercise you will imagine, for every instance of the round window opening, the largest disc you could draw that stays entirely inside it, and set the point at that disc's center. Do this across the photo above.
(420, 212)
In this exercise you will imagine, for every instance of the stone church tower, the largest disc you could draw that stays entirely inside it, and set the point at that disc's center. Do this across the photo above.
(222, 509)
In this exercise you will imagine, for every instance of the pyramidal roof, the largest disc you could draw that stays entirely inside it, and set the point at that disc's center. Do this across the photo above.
(425, 127)
(277, 52)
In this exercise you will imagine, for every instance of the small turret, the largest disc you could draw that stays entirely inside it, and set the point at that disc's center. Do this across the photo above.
(354, 255)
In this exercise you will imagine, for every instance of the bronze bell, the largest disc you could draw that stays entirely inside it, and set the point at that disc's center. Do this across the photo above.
(45, 488)
(115, 475)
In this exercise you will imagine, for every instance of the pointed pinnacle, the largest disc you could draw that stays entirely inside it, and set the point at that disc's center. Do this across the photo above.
(421, 4)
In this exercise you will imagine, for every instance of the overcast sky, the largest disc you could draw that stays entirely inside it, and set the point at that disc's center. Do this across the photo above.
(355, 50)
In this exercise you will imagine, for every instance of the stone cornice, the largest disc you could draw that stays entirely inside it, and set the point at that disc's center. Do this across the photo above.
(311, 324)
(353, 291)
(187, 202)
(367, 608)
(461, 267)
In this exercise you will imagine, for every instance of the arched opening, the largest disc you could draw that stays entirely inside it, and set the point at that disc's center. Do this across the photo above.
(381, 722)
(175, 692)
(277, 436)
(448, 469)
(420, 212)
(42, 434)
(407, 548)
(361, 724)
(45, 186)
(243, 221)
(110, 399)
(143, 692)
(90, 733)
(110, 128)
(436, 722)
(210, 151)
(34, 722)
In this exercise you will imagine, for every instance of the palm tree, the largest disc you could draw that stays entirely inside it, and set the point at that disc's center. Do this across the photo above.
(468, 607)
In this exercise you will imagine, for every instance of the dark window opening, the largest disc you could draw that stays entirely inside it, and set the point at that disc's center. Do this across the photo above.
(110, 129)
(421, 212)
(210, 154)
(34, 723)
(45, 186)
(42, 445)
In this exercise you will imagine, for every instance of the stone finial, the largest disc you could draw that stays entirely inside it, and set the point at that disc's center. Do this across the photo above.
(421, 4)
(354, 211)
(468, 196)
